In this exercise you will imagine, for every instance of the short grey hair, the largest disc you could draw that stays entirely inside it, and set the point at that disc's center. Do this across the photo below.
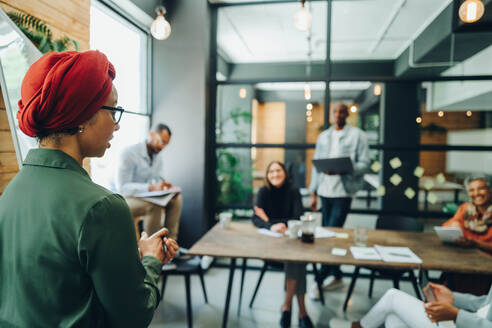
(478, 176)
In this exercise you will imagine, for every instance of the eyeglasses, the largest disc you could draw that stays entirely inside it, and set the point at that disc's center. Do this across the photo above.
(116, 112)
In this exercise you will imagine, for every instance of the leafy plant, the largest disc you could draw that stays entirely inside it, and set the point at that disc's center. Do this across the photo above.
(232, 189)
(40, 34)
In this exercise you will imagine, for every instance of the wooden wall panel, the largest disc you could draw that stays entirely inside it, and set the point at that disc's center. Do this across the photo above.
(8, 163)
(65, 18)
(270, 128)
(6, 144)
(4, 121)
(5, 179)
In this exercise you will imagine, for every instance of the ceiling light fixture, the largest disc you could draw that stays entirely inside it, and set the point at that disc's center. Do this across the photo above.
(309, 106)
(471, 11)
(160, 29)
(303, 19)
(353, 108)
(242, 93)
(440, 113)
(469, 113)
(419, 120)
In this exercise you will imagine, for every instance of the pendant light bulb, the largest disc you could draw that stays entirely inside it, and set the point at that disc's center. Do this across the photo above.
(303, 19)
(160, 29)
(471, 11)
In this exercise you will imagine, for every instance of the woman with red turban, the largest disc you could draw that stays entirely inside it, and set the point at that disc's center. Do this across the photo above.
(68, 252)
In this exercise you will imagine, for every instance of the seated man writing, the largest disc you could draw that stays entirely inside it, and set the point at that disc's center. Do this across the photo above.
(140, 170)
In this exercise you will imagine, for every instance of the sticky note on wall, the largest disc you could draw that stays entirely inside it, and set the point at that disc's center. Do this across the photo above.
(395, 162)
(418, 172)
(432, 198)
(410, 193)
(441, 178)
(376, 167)
(428, 184)
(396, 179)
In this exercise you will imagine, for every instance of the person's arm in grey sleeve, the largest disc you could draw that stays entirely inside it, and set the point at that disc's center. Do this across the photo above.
(467, 319)
(315, 175)
(363, 160)
(468, 301)
(124, 183)
(125, 285)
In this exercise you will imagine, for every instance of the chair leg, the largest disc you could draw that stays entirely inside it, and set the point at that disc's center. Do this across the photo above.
(202, 280)
(163, 287)
(355, 275)
(189, 315)
(263, 270)
(243, 273)
(319, 284)
(371, 282)
(413, 280)
(396, 282)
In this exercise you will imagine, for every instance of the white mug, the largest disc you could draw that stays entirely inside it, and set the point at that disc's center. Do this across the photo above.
(225, 219)
(293, 228)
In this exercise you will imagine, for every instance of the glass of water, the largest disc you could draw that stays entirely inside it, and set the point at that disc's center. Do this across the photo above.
(360, 236)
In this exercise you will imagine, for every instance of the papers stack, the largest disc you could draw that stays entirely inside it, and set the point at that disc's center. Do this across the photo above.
(364, 253)
(159, 193)
(323, 233)
(270, 233)
(397, 254)
(385, 253)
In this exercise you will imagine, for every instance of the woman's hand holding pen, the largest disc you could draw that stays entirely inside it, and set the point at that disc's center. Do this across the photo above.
(442, 309)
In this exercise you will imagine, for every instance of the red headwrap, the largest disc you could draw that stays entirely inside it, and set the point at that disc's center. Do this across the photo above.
(62, 90)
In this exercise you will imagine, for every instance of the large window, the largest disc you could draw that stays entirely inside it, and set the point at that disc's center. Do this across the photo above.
(127, 48)
(424, 102)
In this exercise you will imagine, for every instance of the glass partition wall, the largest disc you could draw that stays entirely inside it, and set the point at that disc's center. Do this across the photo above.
(425, 108)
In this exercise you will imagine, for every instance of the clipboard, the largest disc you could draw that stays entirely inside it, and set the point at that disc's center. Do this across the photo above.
(340, 165)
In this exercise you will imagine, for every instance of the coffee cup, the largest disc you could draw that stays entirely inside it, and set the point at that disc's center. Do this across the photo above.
(225, 219)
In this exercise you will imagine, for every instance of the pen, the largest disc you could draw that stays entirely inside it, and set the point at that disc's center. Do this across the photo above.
(397, 254)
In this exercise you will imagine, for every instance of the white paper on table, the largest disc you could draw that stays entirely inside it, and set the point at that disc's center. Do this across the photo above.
(270, 233)
(364, 253)
(397, 254)
(320, 232)
(339, 251)
(157, 193)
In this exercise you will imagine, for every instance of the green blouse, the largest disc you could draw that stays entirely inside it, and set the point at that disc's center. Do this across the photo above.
(68, 252)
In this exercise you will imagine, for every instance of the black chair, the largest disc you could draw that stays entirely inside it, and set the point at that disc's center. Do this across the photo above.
(186, 267)
(400, 223)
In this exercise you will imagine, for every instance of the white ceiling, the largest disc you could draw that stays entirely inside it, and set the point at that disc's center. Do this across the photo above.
(361, 29)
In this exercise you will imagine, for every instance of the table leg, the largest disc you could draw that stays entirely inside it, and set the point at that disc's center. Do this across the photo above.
(228, 294)
(243, 272)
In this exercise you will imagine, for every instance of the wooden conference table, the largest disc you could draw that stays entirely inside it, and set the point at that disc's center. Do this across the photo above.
(241, 240)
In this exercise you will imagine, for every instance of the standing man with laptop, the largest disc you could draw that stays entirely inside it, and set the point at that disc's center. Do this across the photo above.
(336, 189)
(141, 170)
